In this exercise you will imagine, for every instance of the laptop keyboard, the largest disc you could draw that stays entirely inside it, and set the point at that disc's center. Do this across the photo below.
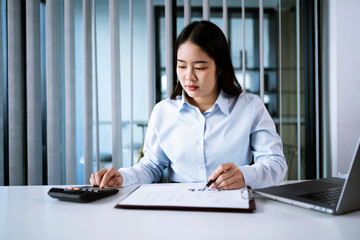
(330, 196)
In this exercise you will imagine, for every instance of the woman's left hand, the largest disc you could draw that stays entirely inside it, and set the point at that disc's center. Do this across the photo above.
(228, 176)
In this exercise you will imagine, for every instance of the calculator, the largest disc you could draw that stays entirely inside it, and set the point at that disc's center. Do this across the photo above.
(81, 194)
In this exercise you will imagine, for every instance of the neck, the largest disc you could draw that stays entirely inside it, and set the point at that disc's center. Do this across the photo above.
(203, 103)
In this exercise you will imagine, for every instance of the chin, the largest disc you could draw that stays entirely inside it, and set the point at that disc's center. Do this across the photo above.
(191, 94)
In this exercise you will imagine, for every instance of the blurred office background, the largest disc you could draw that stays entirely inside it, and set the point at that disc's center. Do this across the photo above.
(79, 78)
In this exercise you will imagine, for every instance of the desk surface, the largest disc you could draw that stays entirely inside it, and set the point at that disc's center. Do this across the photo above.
(29, 213)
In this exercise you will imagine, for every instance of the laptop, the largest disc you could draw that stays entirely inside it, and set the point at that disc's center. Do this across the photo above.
(331, 195)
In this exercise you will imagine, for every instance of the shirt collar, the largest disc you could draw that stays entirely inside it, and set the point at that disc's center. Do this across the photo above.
(183, 101)
(222, 102)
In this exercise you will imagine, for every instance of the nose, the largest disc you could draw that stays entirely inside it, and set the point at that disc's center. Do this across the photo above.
(189, 74)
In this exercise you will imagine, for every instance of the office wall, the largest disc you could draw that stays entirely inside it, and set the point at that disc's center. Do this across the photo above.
(348, 80)
(341, 81)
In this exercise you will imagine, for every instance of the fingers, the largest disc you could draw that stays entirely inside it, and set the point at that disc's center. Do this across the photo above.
(230, 177)
(106, 177)
(110, 178)
(96, 178)
(219, 170)
(99, 176)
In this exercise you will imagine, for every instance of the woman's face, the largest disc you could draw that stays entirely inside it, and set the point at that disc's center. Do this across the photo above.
(197, 73)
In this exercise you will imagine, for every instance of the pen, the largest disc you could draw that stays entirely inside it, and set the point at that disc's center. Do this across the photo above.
(209, 183)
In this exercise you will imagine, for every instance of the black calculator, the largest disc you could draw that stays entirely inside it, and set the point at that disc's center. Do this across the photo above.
(81, 194)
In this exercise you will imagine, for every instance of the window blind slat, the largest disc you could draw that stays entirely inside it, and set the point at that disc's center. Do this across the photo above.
(150, 48)
(2, 80)
(15, 95)
(225, 19)
(187, 12)
(298, 85)
(169, 47)
(261, 20)
(280, 73)
(243, 45)
(115, 84)
(34, 130)
(131, 82)
(52, 92)
(88, 112)
(206, 10)
(96, 91)
(317, 109)
(70, 114)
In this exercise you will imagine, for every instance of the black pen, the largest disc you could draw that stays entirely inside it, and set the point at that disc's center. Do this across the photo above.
(209, 183)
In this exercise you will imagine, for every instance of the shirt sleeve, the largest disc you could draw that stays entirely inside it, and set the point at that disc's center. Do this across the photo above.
(269, 166)
(150, 167)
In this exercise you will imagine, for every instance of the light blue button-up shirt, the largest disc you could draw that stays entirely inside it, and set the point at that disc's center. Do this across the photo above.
(194, 144)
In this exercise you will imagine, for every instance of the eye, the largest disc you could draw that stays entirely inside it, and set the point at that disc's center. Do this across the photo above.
(200, 68)
(182, 67)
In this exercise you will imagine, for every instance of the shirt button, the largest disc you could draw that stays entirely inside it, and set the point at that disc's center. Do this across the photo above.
(202, 166)
(200, 142)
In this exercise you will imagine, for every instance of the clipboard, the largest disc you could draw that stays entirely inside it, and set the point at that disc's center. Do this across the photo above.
(189, 197)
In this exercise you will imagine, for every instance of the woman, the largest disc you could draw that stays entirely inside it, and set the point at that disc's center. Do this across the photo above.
(208, 129)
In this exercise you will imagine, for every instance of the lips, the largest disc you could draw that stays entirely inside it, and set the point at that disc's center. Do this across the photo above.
(191, 87)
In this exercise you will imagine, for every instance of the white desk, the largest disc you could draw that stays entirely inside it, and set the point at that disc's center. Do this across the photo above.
(29, 213)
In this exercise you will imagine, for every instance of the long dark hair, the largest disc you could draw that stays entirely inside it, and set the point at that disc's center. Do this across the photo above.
(210, 39)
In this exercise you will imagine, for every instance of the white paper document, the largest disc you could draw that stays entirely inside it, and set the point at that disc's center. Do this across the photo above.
(187, 195)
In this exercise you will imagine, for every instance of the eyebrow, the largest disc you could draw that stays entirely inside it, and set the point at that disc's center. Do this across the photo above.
(199, 61)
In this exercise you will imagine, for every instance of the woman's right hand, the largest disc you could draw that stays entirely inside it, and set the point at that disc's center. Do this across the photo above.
(106, 177)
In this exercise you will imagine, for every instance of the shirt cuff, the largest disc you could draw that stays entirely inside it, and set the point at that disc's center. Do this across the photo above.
(249, 175)
(127, 177)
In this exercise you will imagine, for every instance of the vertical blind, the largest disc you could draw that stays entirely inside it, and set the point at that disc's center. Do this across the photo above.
(225, 19)
(25, 129)
(298, 85)
(150, 48)
(88, 91)
(33, 93)
(96, 87)
(70, 112)
(317, 110)
(52, 92)
(169, 46)
(115, 83)
(2, 80)
(131, 80)
(15, 95)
